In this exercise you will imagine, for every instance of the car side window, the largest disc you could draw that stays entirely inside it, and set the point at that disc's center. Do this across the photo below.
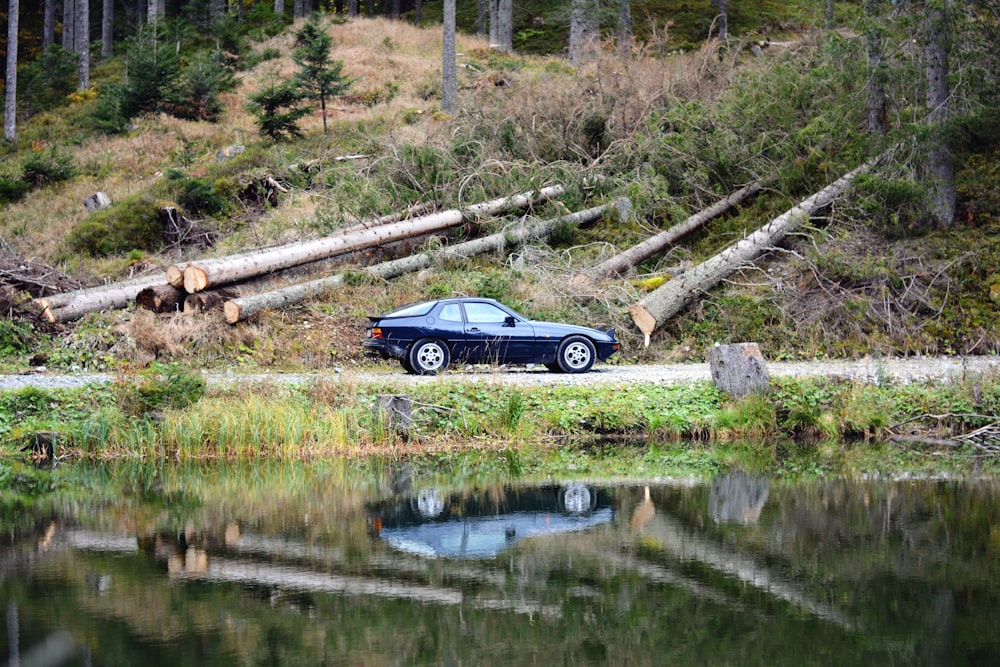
(484, 313)
(451, 313)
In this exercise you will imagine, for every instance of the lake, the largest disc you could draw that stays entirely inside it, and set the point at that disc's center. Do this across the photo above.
(282, 564)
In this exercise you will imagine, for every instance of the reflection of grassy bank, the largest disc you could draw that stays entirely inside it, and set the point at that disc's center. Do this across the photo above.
(168, 417)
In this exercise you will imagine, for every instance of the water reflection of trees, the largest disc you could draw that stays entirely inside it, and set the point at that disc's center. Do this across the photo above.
(293, 582)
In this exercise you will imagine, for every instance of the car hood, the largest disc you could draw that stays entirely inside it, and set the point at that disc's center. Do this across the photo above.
(558, 330)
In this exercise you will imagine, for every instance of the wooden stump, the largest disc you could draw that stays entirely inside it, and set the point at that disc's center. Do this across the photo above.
(397, 411)
(738, 369)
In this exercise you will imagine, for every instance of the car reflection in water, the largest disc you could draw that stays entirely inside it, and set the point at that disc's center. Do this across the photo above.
(435, 525)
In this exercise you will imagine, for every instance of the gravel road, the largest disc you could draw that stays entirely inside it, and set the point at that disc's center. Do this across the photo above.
(910, 369)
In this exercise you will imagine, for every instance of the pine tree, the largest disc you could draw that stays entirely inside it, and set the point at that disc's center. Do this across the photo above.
(320, 77)
(277, 109)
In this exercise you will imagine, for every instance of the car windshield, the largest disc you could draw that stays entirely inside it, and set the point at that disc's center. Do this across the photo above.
(414, 309)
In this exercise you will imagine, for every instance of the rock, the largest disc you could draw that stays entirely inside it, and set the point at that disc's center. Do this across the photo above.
(229, 152)
(97, 202)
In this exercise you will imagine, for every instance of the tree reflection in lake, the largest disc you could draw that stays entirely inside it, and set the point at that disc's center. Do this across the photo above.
(292, 565)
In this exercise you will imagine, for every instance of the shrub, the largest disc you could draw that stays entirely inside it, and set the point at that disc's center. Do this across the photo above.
(45, 167)
(132, 223)
(161, 386)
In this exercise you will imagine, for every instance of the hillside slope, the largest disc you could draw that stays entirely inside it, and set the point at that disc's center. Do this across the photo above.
(672, 132)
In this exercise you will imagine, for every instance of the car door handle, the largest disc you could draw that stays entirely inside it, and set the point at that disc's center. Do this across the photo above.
(473, 329)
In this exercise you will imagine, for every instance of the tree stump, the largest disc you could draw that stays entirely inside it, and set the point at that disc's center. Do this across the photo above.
(397, 412)
(738, 369)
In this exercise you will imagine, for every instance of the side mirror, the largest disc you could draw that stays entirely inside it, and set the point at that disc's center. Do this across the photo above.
(510, 321)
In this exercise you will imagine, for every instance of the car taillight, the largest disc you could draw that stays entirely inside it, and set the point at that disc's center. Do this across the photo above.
(376, 332)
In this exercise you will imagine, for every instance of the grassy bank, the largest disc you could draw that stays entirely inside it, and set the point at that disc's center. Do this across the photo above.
(167, 413)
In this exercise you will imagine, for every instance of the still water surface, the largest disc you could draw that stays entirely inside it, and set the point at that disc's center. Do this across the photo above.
(298, 565)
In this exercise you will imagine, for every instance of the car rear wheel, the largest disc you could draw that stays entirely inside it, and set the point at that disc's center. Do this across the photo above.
(576, 355)
(429, 356)
(405, 361)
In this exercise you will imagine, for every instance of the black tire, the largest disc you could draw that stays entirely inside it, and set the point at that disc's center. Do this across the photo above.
(405, 361)
(554, 367)
(429, 356)
(576, 355)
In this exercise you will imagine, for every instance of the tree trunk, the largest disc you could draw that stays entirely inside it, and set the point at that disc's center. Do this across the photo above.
(449, 74)
(394, 11)
(154, 10)
(70, 306)
(738, 369)
(49, 24)
(656, 244)
(107, 28)
(494, 18)
(198, 277)
(240, 309)
(875, 98)
(940, 160)
(624, 28)
(505, 26)
(217, 8)
(83, 43)
(161, 298)
(352, 8)
(722, 9)
(583, 31)
(418, 12)
(68, 24)
(298, 11)
(10, 95)
(279, 7)
(203, 302)
(651, 313)
(482, 17)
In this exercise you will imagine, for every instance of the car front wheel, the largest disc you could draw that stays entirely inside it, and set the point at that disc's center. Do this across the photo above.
(576, 355)
(429, 356)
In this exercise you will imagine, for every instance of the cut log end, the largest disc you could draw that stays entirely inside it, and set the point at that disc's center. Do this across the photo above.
(175, 275)
(643, 319)
(195, 279)
(233, 312)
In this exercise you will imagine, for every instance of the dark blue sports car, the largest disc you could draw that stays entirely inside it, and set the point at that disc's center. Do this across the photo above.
(426, 337)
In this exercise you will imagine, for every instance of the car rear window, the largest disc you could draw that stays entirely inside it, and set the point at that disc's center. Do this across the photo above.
(413, 310)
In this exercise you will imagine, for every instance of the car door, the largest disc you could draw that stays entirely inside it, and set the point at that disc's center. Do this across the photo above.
(494, 335)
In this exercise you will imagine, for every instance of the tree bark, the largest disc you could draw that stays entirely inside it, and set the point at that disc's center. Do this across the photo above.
(482, 17)
(107, 28)
(203, 302)
(49, 24)
(651, 313)
(940, 174)
(83, 43)
(583, 31)
(154, 10)
(875, 97)
(505, 26)
(738, 369)
(624, 28)
(449, 73)
(722, 7)
(161, 298)
(198, 277)
(70, 306)
(279, 7)
(624, 261)
(240, 309)
(10, 94)
(68, 25)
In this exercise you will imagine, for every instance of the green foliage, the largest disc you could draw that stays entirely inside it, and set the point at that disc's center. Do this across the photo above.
(12, 189)
(197, 93)
(42, 168)
(276, 107)
(132, 223)
(320, 77)
(15, 337)
(152, 74)
(45, 82)
(200, 197)
(159, 387)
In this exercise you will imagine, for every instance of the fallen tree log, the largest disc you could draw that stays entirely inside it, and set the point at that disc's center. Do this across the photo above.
(68, 306)
(660, 242)
(240, 309)
(666, 301)
(200, 276)
(160, 298)
(209, 300)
